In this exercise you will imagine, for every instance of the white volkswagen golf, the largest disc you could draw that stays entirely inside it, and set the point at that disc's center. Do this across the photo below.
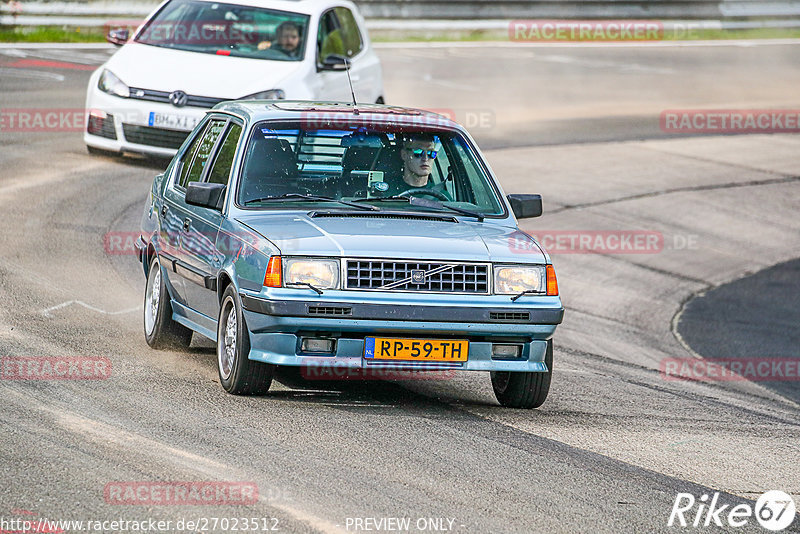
(189, 55)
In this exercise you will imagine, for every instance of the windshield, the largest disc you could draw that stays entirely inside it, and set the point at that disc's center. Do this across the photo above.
(228, 30)
(379, 167)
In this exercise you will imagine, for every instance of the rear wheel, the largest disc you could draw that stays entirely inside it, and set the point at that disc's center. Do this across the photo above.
(237, 373)
(524, 390)
(160, 330)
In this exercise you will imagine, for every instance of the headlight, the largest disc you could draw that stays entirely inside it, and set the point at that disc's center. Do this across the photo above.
(510, 280)
(322, 274)
(109, 83)
(272, 94)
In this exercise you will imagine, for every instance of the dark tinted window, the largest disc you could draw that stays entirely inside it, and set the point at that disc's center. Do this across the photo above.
(207, 142)
(221, 170)
(186, 160)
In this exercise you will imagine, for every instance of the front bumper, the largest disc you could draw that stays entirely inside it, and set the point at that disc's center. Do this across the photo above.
(277, 327)
(127, 126)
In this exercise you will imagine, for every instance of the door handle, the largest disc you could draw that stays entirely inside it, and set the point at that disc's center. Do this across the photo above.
(164, 211)
(187, 223)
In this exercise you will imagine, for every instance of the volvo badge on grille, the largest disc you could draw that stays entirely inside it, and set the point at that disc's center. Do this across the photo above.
(178, 98)
(417, 276)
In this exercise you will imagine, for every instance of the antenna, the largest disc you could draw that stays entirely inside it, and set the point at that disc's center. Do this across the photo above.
(347, 68)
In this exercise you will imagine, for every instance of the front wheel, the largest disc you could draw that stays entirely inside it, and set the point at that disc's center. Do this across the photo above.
(524, 390)
(238, 374)
(160, 330)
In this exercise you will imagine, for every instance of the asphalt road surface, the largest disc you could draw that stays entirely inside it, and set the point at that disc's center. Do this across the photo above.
(616, 441)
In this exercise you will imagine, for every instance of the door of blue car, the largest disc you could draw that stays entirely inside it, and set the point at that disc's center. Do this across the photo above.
(204, 255)
(172, 215)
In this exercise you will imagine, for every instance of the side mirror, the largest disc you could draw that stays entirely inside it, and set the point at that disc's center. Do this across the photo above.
(525, 206)
(118, 36)
(205, 195)
(334, 62)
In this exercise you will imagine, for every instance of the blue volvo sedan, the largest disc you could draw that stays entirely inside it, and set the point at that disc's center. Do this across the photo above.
(369, 237)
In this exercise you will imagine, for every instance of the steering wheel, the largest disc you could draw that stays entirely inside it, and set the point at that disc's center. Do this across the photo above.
(441, 195)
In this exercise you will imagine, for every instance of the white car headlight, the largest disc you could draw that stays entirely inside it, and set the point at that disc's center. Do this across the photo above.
(272, 94)
(514, 279)
(320, 273)
(109, 83)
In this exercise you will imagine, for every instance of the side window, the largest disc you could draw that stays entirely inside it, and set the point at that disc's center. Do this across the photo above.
(221, 170)
(207, 142)
(186, 160)
(351, 37)
(329, 37)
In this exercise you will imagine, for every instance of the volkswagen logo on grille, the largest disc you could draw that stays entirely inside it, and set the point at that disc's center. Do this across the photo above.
(178, 98)
(417, 276)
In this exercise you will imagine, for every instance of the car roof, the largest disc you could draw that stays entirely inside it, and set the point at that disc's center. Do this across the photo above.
(338, 112)
(306, 7)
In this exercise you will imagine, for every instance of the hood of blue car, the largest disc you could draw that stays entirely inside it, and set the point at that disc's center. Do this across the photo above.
(379, 236)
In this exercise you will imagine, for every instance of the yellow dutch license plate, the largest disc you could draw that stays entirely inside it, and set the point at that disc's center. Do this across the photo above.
(416, 350)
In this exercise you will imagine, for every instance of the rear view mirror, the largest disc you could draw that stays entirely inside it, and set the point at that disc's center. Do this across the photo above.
(525, 206)
(334, 62)
(205, 195)
(118, 36)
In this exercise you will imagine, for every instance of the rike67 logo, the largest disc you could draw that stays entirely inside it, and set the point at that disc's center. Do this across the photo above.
(774, 510)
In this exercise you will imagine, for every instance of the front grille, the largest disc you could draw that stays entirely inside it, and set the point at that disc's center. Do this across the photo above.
(446, 277)
(163, 96)
(148, 135)
(329, 310)
(510, 317)
(102, 126)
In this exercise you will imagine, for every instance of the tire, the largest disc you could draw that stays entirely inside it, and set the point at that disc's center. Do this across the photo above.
(160, 330)
(524, 390)
(238, 374)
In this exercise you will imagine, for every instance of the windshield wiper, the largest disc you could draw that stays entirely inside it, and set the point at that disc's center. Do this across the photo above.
(383, 199)
(305, 284)
(526, 292)
(425, 203)
(300, 196)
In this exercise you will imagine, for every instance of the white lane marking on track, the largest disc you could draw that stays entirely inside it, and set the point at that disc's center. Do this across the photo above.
(47, 311)
(116, 437)
(593, 63)
(32, 74)
(649, 44)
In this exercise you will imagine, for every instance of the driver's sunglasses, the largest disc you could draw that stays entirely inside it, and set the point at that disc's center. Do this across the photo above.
(418, 152)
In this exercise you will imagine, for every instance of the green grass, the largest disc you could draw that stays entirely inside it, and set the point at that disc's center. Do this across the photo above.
(67, 34)
(51, 34)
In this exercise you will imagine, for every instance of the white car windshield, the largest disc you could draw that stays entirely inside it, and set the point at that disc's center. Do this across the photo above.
(228, 30)
(381, 166)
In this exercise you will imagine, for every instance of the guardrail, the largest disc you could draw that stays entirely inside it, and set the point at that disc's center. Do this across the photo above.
(475, 10)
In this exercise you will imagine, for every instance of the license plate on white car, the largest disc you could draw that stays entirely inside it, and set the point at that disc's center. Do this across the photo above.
(172, 121)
